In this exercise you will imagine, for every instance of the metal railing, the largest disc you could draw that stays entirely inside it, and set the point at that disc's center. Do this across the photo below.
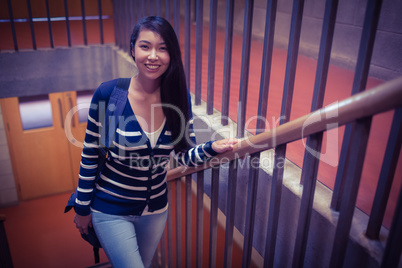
(356, 118)
(356, 110)
(49, 18)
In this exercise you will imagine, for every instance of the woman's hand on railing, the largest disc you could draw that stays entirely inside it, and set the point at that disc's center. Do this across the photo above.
(221, 146)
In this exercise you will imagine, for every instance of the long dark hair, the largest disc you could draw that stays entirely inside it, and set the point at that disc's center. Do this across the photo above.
(173, 83)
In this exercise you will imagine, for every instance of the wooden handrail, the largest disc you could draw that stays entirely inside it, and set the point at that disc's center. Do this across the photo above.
(383, 98)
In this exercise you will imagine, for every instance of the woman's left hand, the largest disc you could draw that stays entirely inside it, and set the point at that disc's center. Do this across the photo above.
(221, 146)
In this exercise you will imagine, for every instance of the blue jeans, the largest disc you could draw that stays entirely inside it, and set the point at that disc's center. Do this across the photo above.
(129, 241)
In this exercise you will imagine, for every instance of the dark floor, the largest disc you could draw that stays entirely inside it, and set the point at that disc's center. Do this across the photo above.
(41, 235)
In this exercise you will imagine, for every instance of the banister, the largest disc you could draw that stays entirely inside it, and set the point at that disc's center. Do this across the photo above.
(382, 98)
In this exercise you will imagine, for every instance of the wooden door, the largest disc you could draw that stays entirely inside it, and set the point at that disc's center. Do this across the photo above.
(40, 155)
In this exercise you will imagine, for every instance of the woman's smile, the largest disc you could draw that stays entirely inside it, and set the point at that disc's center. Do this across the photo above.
(152, 67)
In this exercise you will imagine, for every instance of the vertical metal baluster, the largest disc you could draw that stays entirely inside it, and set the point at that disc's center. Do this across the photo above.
(214, 216)
(143, 9)
(177, 18)
(274, 206)
(170, 228)
(198, 51)
(31, 24)
(188, 220)
(270, 18)
(250, 210)
(149, 8)
(359, 137)
(139, 9)
(245, 67)
(393, 249)
(131, 22)
(100, 21)
(127, 27)
(200, 217)
(163, 249)
(116, 23)
(212, 55)
(387, 174)
(159, 8)
(167, 10)
(10, 12)
(227, 65)
(84, 26)
(314, 142)
(68, 23)
(49, 24)
(178, 223)
(359, 85)
(280, 151)
(230, 212)
(122, 24)
(187, 40)
(357, 140)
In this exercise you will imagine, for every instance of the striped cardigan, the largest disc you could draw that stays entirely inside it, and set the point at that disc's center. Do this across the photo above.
(134, 175)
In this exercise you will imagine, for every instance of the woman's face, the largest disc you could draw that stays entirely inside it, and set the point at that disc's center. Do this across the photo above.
(151, 55)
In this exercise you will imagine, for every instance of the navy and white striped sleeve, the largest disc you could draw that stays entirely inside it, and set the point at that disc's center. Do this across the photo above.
(89, 157)
(196, 155)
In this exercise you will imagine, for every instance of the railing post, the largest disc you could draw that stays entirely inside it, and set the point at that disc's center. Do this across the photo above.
(211, 56)
(359, 84)
(230, 212)
(280, 151)
(188, 220)
(250, 210)
(187, 40)
(200, 217)
(49, 24)
(314, 142)
(170, 228)
(163, 248)
(270, 18)
(245, 67)
(274, 206)
(177, 18)
(386, 177)
(198, 51)
(393, 249)
(10, 12)
(227, 65)
(167, 10)
(213, 216)
(100, 21)
(178, 224)
(31, 24)
(84, 27)
(359, 137)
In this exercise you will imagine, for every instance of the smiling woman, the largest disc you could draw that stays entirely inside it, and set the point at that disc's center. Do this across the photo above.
(127, 203)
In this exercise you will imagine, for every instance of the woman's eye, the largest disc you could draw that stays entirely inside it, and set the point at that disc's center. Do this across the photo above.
(163, 48)
(143, 46)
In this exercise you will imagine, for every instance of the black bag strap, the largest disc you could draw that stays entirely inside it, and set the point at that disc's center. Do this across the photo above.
(96, 254)
(115, 108)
